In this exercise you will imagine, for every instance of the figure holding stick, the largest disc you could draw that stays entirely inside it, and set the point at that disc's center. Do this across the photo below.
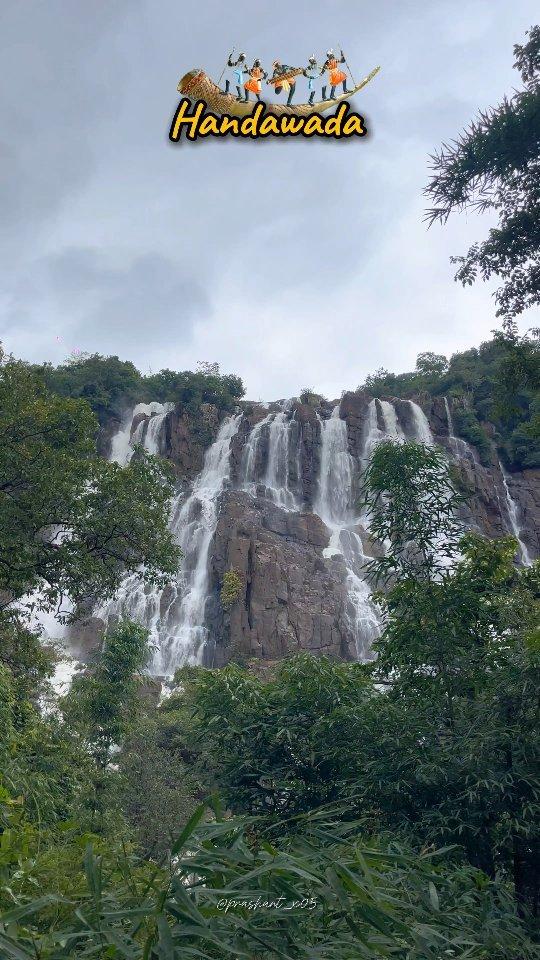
(235, 73)
(348, 68)
(335, 74)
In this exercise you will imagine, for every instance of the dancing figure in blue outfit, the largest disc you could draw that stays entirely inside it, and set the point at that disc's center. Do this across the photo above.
(235, 74)
(312, 73)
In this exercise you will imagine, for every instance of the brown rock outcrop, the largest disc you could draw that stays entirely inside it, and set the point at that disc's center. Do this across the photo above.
(292, 600)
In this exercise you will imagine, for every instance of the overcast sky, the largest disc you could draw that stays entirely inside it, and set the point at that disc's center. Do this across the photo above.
(292, 263)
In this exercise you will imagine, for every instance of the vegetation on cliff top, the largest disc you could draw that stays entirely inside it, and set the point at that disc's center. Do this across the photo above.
(496, 385)
(110, 385)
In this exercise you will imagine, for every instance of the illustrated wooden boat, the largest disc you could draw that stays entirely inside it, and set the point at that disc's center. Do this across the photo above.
(197, 85)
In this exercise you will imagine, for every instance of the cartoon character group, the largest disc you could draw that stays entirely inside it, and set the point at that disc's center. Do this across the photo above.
(284, 77)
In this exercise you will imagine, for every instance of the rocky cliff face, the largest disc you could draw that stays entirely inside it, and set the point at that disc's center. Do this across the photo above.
(270, 493)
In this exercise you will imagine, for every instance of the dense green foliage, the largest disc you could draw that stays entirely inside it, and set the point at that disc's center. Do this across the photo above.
(231, 588)
(388, 809)
(71, 523)
(102, 702)
(384, 810)
(110, 385)
(437, 741)
(495, 166)
(496, 385)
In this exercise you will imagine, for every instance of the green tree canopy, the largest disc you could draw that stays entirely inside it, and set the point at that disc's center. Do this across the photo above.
(495, 166)
(71, 523)
(110, 385)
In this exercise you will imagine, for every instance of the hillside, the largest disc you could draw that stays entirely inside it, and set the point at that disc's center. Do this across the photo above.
(268, 496)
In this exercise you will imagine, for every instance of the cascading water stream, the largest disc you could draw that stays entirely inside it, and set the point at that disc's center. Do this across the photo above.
(459, 447)
(513, 517)
(147, 431)
(175, 615)
(277, 471)
(392, 429)
(276, 429)
(422, 429)
(334, 505)
(250, 453)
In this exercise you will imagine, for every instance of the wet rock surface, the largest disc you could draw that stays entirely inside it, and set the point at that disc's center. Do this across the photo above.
(292, 599)
(295, 592)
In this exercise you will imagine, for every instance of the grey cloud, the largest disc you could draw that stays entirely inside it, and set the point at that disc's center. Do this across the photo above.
(110, 307)
(57, 86)
(252, 254)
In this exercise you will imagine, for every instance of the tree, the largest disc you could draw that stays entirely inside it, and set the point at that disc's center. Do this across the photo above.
(108, 384)
(103, 701)
(431, 365)
(280, 746)
(495, 166)
(159, 787)
(378, 382)
(411, 499)
(459, 658)
(71, 524)
(518, 370)
(230, 891)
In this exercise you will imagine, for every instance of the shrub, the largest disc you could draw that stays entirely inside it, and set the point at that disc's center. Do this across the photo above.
(231, 588)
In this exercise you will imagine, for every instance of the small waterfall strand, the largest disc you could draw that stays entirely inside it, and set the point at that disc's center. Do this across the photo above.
(513, 512)
(334, 505)
(175, 615)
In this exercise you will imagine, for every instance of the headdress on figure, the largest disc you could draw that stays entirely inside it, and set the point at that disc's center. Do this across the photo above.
(313, 59)
(241, 56)
(276, 63)
(256, 63)
(329, 53)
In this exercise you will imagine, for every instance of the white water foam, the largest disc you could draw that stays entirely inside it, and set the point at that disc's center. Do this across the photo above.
(175, 615)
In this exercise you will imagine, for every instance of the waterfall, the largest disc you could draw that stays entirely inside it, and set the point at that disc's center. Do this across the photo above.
(334, 500)
(334, 505)
(459, 447)
(147, 431)
(392, 429)
(152, 439)
(513, 516)
(248, 468)
(372, 433)
(422, 429)
(277, 471)
(277, 428)
(174, 615)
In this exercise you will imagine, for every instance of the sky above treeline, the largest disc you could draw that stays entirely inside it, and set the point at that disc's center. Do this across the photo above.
(292, 263)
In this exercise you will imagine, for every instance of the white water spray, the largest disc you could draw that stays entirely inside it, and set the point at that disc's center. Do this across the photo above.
(514, 518)
(250, 453)
(422, 429)
(459, 447)
(175, 615)
(147, 431)
(334, 505)
(276, 480)
(277, 471)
